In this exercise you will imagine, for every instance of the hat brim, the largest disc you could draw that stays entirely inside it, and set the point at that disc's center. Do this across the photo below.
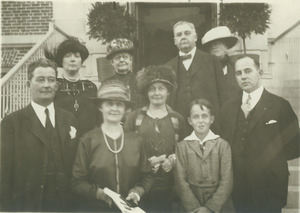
(230, 42)
(99, 100)
(112, 54)
(71, 47)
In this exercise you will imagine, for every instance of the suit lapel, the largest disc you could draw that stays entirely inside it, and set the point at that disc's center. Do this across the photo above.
(196, 147)
(209, 145)
(197, 63)
(260, 109)
(34, 124)
(60, 125)
(233, 114)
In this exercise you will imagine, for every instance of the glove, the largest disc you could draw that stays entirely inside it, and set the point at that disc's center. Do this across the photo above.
(100, 195)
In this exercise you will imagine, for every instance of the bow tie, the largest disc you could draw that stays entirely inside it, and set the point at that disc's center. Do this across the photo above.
(185, 57)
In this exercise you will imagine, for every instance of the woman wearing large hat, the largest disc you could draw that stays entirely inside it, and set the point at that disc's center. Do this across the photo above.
(161, 128)
(108, 156)
(74, 92)
(218, 41)
(120, 53)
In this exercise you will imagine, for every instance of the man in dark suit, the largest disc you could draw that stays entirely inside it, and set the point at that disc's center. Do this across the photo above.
(38, 145)
(263, 131)
(199, 75)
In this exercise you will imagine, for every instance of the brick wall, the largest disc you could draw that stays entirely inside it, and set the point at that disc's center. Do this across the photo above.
(25, 18)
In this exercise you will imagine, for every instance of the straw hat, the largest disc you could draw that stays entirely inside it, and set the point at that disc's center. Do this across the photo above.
(219, 33)
(119, 45)
(113, 90)
(70, 45)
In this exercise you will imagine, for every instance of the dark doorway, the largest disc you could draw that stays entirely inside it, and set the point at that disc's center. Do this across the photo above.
(155, 28)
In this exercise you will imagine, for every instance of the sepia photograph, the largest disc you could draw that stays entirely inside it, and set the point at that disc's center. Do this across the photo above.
(151, 106)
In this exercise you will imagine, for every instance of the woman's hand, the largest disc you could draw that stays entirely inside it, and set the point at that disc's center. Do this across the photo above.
(169, 163)
(133, 196)
(100, 195)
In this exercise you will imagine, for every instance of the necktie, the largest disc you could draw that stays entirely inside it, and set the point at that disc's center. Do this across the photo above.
(48, 125)
(246, 107)
(185, 57)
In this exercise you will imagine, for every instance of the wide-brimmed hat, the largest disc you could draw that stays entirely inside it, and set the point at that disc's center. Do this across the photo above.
(152, 74)
(119, 45)
(70, 45)
(219, 33)
(113, 90)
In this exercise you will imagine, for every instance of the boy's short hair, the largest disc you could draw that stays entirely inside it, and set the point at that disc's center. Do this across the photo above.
(42, 62)
(202, 102)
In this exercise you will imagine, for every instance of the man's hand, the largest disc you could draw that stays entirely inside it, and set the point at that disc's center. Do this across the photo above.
(167, 165)
(104, 197)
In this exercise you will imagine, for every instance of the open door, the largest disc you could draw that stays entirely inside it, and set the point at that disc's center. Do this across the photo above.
(155, 28)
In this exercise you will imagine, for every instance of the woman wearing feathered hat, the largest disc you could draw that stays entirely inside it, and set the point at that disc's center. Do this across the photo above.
(108, 156)
(161, 128)
(120, 54)
(218, 41)
(74, 93)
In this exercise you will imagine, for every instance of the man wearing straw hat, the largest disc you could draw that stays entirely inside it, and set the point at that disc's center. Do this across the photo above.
(218, 41)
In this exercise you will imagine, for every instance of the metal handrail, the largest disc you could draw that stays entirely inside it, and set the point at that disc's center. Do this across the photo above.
(14, 92)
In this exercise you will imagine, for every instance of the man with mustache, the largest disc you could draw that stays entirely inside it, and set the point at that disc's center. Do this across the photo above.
(120, 54)
(199, 75)
(218, 41)
(38, 145)
(263, 132)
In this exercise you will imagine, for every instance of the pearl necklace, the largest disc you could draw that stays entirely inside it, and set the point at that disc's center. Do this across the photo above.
(122, 142)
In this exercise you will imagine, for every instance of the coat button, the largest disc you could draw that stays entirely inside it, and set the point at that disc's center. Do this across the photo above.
(42, 186)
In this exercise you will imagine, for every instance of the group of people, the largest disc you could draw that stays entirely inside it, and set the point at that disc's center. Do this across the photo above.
(208, 138)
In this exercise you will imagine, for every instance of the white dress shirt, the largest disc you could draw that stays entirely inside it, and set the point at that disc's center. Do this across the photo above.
(209, 136)
(187, 63)
(255, 96)
(40, 112)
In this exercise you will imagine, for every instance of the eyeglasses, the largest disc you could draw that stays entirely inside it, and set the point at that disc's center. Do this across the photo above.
(118, 57)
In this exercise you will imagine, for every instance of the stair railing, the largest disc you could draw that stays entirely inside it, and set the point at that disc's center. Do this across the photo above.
(15, 94)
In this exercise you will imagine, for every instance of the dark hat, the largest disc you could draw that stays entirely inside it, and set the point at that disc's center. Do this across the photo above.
(70, 45)
(221, 33)
(113, 90)
(119, 45)
(151, 74)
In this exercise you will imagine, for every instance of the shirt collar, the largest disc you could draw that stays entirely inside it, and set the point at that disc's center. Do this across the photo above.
(255, 95)
(192, 52)
(209, 136)
(40, 112)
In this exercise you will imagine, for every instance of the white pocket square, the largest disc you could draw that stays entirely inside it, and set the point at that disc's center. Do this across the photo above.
(271, 122)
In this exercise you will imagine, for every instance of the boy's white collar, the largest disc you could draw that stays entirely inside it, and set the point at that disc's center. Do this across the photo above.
(209, 136)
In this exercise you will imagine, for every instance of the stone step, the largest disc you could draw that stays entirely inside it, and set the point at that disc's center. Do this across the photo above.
(293, 198)
(294, 178)
(284, 210)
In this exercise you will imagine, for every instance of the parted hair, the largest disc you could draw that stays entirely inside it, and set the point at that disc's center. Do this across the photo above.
(202, 103)
(42, 62)
(151, 74)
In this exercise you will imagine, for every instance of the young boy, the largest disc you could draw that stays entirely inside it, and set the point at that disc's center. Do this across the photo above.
(203, 171)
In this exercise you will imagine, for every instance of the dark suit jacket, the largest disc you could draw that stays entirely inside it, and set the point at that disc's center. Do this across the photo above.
(207, 81)
(24, 158)
(273, 139)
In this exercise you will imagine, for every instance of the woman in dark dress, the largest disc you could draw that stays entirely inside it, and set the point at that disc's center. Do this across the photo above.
(110, 157)
(161, 128)
(74, 93)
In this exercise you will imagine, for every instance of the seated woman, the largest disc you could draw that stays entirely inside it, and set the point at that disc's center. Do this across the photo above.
(161, 128)
(109, 157)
